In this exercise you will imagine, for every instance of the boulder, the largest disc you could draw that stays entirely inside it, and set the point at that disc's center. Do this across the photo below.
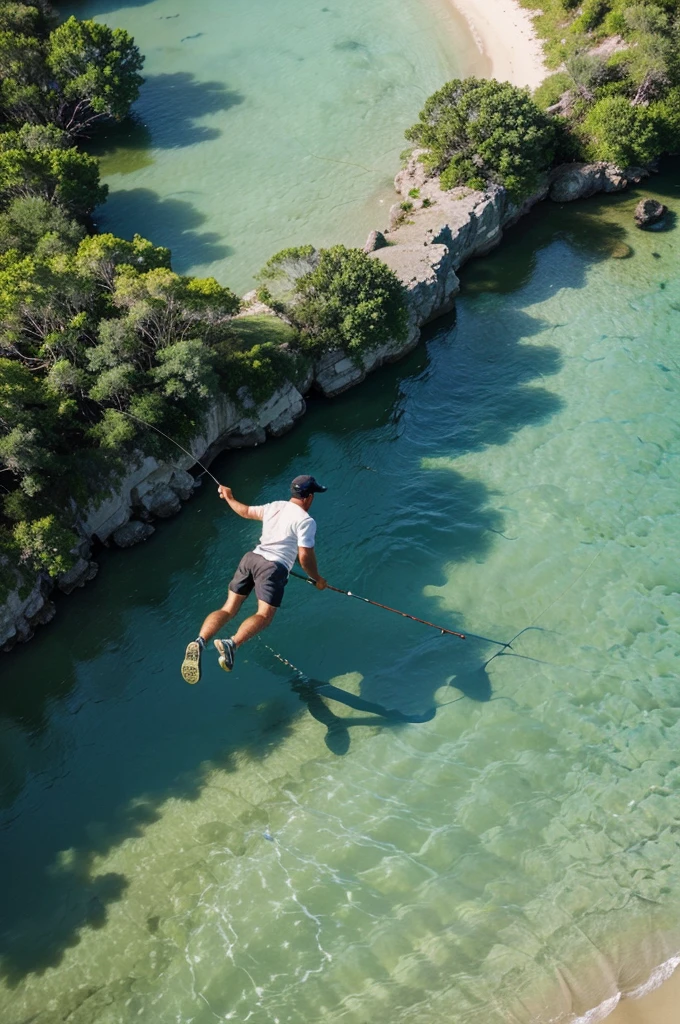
(376, 240)
(649, 211)
(132, 533)
(161, 502)
(182, 483)
(81, 573)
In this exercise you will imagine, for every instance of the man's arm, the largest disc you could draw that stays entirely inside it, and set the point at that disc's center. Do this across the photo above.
(307, 559)
(239, 508)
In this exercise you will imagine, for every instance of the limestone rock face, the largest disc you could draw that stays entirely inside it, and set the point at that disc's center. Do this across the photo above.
(132, 533)
(19, 615)
(427, 274)
(156, 489)
(336, 372)
(649, 211)
(578, 181)
(82, 572)
(467, 223)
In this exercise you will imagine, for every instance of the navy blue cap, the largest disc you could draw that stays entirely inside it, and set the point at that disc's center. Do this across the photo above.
(303, 486)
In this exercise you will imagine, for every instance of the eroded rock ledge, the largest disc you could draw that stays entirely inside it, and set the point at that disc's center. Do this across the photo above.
(431, 234)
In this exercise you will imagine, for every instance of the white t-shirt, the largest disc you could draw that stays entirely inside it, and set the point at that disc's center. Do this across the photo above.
(285, 528)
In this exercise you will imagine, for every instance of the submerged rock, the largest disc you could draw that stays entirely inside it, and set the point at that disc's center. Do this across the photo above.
(649, 211)
(620, 251)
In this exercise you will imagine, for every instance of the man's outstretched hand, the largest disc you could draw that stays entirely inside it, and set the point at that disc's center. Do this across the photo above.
(225, 492)
(320, 583)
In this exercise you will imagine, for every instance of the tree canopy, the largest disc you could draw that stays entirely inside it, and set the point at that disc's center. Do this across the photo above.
(619, 76)
(479, 132)
(338, 297)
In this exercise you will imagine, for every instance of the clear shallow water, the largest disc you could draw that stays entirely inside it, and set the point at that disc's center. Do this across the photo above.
(267, 124)
(250, 850)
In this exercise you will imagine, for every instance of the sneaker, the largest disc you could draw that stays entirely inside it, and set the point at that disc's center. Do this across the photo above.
(226, 650)
(191, 666)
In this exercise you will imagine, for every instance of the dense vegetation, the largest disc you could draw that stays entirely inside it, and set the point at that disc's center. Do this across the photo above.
(479, 132)
(615, 97)
(618, 83)
(99, 338)
(337, 297)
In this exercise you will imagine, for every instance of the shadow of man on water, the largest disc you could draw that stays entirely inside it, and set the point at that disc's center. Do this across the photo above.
(472, 680)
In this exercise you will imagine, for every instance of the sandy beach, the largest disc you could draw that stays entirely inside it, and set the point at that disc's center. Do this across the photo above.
(504, 33)
(661, 1006)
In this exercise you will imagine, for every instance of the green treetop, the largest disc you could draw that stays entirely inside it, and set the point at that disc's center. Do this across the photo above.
(478, 132)
(96, 69)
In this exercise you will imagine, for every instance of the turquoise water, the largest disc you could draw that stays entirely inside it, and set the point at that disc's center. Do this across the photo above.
(267, 124)
(249, 849)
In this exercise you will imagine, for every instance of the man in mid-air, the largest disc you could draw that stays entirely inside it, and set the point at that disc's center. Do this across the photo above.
(288, 532)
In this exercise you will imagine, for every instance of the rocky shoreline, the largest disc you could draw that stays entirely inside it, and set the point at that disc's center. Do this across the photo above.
(431, 234)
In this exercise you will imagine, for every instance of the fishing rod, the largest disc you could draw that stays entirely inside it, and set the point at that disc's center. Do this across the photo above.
(163, 434)
(405, 615)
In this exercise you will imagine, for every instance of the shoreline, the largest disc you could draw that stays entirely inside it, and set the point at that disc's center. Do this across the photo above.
(504, 33)
(655, 1002)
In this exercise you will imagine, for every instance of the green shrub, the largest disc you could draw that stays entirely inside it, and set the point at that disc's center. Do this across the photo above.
(349, 301)
(667, 113)
(481, 132)
(551, 90)
(593, 13)
(46, 544)
(620, 133)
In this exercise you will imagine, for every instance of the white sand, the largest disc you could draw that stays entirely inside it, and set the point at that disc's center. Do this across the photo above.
(504, 33)
(662, 1006)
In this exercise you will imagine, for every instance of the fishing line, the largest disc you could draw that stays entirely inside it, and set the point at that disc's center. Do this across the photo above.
(405, 615)
(301, 675)
(163, 434)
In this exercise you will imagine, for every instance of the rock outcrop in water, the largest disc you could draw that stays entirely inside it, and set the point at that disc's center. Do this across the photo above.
(648, 212)
(579, 181)
(431, 235)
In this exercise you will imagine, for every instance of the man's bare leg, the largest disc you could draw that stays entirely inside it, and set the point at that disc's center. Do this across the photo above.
(249, 628)
(214, 622)
(191, 666)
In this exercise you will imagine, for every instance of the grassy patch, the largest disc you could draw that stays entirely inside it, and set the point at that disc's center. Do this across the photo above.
(261, 329)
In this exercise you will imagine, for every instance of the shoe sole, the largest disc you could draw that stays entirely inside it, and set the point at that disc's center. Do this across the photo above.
(191, 666)
(225, 660)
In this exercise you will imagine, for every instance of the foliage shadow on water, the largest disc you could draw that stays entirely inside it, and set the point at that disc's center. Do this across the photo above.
(170, 222)
(175, 101)
(129, 142)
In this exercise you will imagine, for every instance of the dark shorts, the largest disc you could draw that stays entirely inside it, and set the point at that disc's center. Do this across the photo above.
(268, 578)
